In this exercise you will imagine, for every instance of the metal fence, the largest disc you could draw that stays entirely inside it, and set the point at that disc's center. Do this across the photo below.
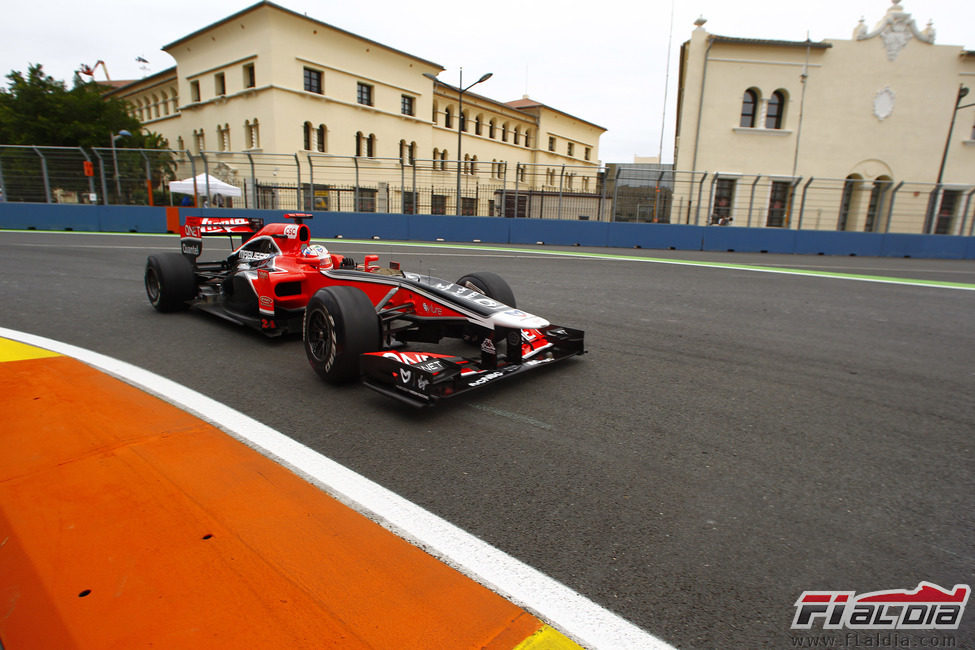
(623, 193)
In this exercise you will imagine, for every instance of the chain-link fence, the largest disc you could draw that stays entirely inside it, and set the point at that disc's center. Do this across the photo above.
(407, 185)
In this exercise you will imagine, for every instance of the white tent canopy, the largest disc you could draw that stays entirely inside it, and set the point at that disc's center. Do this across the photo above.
(217, 186)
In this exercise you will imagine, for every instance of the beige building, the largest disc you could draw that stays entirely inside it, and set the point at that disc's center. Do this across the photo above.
(271, 82)
(850, 133)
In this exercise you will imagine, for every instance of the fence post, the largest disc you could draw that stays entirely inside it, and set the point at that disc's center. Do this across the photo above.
(964, 215)
(311, 180)
(3, 188)
(700, 191)
(802, 203)
(355, 190)
(298, 193)
(791, 203)
(751, 200)
(558, 210)
(890, 206)
(616, 191)
(250, 159)
(707, 217)
(47, 181)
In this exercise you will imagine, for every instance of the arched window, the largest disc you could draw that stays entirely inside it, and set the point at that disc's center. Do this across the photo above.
(371, 146)
(412, 153)
(477, 124)
(491, 127)
(528, 136)
(517, 135)
(749, 103)
(436, 107)
(473, 164)
(448, 117)
(463, 120)
(436, 157)
(359, 140)
(504, 132)
(776, 110)
(307, 136)
(322, 133)
(443, 160)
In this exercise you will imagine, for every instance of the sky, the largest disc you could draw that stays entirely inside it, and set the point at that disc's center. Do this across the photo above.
(605, 61)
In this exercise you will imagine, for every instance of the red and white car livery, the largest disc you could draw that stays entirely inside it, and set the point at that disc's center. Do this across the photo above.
(358, 320)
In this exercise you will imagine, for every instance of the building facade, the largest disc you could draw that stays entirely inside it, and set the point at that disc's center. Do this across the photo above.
(271, 82)
(849, 133)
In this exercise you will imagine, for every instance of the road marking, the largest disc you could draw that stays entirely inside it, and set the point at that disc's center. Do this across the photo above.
(564, 609)
(619, 257)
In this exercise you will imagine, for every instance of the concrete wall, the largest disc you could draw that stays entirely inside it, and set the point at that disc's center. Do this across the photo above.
(404, 227)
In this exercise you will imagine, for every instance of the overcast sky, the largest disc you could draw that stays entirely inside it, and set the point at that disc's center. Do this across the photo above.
(604, 61)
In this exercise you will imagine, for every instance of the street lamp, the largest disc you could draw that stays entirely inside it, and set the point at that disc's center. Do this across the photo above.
(460, 119)
(118, 183)
(928, 222)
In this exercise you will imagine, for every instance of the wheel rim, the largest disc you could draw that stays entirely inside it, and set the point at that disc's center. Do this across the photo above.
(152, 286)
(319, 336)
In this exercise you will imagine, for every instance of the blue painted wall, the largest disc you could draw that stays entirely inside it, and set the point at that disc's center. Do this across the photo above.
(422, 227)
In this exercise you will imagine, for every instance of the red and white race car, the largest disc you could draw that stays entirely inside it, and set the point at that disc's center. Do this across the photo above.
(357, 320)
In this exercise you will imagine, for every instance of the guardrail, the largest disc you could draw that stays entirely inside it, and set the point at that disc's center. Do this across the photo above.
(408, 185)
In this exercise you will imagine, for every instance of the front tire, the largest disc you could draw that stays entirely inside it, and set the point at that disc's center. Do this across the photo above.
(493, 286)
(340, 324)
(170, 281)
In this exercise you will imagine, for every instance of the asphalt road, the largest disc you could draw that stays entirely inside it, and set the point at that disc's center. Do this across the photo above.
(732, 439)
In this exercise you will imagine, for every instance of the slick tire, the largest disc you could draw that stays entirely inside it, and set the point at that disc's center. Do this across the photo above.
(170, 281)
(340, 324)
(491, 285)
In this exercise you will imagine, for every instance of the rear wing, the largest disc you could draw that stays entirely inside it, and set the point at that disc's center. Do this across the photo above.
(196, 228)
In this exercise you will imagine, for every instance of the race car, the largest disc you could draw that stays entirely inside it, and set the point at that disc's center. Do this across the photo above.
(357, 321)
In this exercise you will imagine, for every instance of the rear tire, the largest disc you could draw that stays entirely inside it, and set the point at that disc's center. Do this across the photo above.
(340, 324)
(170, 281)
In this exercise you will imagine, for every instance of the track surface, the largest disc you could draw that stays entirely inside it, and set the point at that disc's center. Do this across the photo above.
(732, 439)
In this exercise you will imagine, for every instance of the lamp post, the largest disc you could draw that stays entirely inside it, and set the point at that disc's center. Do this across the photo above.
(460, 119)
(929, 221)
(118, 183)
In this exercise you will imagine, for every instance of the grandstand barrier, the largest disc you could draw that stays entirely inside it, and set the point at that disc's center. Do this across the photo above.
(499, 230)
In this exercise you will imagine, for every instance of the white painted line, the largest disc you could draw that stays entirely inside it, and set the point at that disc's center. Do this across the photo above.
(566, 610)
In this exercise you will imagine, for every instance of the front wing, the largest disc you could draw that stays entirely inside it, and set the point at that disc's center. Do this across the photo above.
(424, 378)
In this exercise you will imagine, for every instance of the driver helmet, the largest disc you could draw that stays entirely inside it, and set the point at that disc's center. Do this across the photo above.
(319, 251)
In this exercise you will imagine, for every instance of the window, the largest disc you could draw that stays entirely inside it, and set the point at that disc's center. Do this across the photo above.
(367, 200)
(448, 116)
(477, 125)
(504, 132)
(876, 205)
(195, 91)
(517, 135)
(491, 126)
(307, 134)
(223, 135)
(724, 197)
(406, 105)
(588, 153)
(364, 94)
(250, 78)
(776, 109)
(551, 143)
(438, 204)
(219, 84)
(846, 201)
(748, 103)
(365, 146)
(528, 137)
(462, 116)
(946, 214)
(252, 133)
(321, 138)
(409, 202)
(359, 140)
(468, 206)
(313, 81)
(778, 204)
(570, 148)
(199, 141)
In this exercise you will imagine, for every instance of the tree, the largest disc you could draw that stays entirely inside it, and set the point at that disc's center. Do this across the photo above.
(40, 110)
